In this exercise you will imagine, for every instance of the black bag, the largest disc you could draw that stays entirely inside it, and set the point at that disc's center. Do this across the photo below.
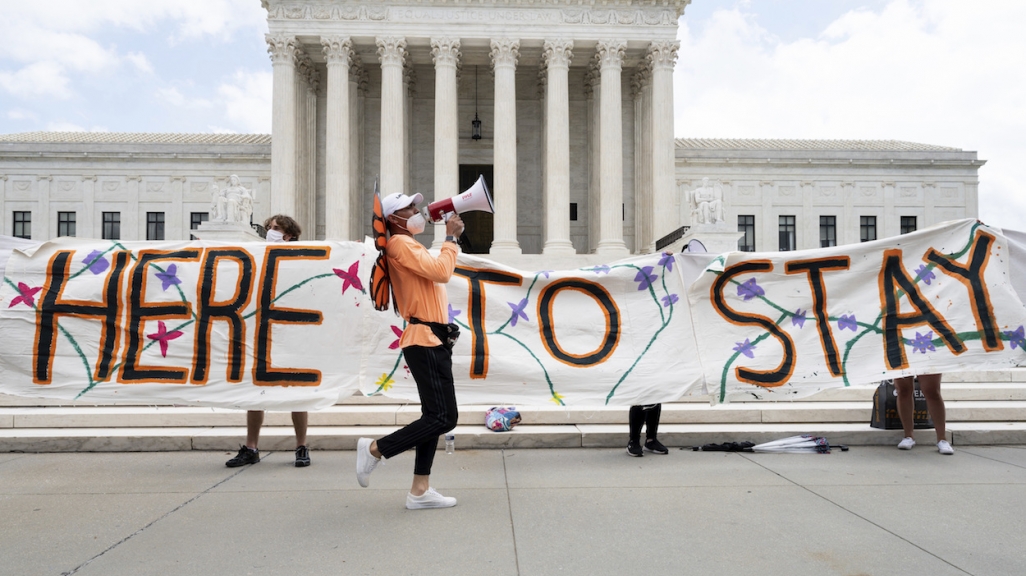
(448, 334)
(885, 408)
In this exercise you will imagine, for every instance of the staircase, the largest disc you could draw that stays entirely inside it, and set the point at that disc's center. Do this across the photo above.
(982, 408)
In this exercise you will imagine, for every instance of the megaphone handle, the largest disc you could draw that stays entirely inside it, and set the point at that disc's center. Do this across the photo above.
(464, 242)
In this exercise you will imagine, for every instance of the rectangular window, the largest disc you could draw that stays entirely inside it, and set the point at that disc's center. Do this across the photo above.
(154, 225)
(23, 225)
(827, 231)
(908, 224)
(787, 233)
(195, 219)
(65, 223)
(573, 211)
(112, 225)
(867, 228)
(746, 224)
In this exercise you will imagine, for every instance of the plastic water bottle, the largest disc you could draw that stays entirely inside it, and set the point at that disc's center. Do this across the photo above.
(450, 442)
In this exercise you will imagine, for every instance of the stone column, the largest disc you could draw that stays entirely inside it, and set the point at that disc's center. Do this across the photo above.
(41, 215)
(310, 163)
(338, 50)
(3, 210)
(305, 86)
(592, 90)
(644, 211)
(176, 225)
(283, 50)
(611, 242)
(662, 56)
(410, 85)
(557, 55)
(392, 53)
(446, 55)
(505, 53)
(359, 195)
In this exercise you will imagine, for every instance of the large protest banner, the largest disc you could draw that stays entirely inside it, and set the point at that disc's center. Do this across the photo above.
(290, 326)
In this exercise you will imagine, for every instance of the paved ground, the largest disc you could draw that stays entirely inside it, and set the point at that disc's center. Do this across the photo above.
(868, 511)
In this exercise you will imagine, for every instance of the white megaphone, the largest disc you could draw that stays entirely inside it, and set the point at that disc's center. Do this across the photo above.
(476, 197)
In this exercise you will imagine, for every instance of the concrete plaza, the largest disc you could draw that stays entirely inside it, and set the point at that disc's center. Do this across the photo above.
(868, 511)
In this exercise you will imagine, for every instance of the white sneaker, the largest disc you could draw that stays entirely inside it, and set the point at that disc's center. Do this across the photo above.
(945, 448)
(365, 461)
(906, 444)
(429, 499)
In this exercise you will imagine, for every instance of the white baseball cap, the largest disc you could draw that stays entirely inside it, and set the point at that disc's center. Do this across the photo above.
(393, 202)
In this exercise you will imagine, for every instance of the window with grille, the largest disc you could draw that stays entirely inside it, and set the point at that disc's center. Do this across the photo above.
(908, 224)
(111, 226)
(787, 233)
(746, 224)
(827, 231)
(65, 223)
(22, 224)
(154, 225)
(867, 228)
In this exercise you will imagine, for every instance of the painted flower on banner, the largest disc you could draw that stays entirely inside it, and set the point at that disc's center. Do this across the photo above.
(453, 313)
(645, 277)
(557, 398)
(750, 289)
(95, 262)
(26, 295)
(847, 321)
(1017, 338)
(670, 300)
(398, 334)
(169, 277)
(601, 269)
(384, 382)
(518, 312)
(923, 343)
(924, 274)
(350, 277)
(799, 318)
(746, 348)
(544, 272)
(162, 336)
(667, 261)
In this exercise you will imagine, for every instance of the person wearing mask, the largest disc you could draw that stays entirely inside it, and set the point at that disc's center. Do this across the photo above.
(418, 283)
(279, 228)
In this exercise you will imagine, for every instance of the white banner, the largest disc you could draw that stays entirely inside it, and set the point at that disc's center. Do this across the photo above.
(291, 327)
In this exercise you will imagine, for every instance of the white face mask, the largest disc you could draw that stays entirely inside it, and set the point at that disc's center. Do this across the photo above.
(415, 224)
(275, 236)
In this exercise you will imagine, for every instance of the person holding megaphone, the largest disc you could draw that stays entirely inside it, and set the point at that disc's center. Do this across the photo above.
(418, 284)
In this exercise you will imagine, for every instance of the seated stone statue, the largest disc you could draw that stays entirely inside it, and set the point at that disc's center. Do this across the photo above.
(706, 204)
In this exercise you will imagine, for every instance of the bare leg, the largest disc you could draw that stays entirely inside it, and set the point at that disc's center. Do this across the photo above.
(374, 449)
(254, 420)
(420, 485)
(906, 404)
(930, 385)
(299, 423)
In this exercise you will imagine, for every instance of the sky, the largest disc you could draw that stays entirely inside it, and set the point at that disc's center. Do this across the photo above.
(945, 72)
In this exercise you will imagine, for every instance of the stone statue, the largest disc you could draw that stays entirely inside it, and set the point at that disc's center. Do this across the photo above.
(706, 204)
(234, 204)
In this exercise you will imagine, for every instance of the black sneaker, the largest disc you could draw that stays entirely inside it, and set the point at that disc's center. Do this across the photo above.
(302, 457)
(245, 456)
(655, 446)
(634, 449)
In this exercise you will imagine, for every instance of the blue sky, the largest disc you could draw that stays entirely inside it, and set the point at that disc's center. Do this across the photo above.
(945, 72)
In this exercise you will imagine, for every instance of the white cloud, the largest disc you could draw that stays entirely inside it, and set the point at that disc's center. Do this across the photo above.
(175, 98)
(19, 114)
(940, 72)
(39, 79)
(247, 100)
(140, 61)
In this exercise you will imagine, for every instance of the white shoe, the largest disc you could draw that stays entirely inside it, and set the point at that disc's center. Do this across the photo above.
(365, 461)
(429, 499)
(945, 448)
(906, 444)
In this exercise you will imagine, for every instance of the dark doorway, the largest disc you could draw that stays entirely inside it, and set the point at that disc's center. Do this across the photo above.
(479, 230)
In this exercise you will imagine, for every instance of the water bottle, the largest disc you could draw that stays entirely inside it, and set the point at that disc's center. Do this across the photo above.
(450, 442)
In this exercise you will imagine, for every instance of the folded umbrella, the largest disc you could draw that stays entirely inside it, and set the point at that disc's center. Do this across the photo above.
(796, 444)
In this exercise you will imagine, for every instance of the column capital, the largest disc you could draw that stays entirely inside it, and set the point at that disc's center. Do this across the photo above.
(662, 54)
(307, 71)
(610, 53)
(337, 49)
(640, 80)
(391, 50)
(505, 53)
(543, 80)
(282, 48)
(410, 79)
(558, 53)
(445, 51)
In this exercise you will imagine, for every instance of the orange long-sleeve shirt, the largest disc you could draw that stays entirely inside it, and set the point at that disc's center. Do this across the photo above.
(418, 282)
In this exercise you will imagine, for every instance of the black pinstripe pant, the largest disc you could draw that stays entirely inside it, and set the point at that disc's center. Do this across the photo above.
(432, 370)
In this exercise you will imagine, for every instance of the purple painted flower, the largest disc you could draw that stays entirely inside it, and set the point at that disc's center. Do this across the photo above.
(667, 261)
(545, 272)
(670, 300)
(453, 313)
(645, 277)
(745, 348)
(750, 289)
(96, 262)
(1016, 337)
(518, 312)
(799, 318)
(925, 275)
(601, 269)
(848, 321)
(169, 277)
(923, 342)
